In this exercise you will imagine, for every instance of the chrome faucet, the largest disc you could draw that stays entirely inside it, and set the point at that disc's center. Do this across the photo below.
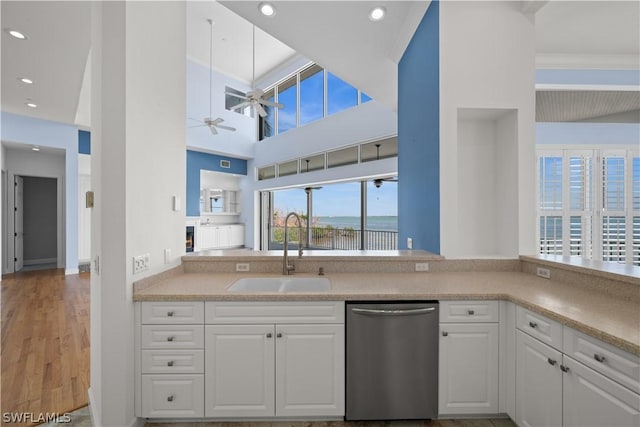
(286, 268)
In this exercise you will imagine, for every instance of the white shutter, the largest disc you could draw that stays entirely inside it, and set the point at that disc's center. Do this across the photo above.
(550, 196)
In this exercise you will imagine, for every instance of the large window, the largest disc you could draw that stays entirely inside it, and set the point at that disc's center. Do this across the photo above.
(332, 216)
(589, 204)
(309, 95)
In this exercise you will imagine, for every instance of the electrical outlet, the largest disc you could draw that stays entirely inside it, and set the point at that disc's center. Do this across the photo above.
(422, 266)
(141, 263)
(242, 266)
(167, 256)
(543, 272)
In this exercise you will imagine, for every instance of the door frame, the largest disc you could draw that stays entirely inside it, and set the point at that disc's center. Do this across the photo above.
(60, 208)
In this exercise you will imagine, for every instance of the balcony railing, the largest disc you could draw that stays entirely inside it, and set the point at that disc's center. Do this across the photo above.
(338, 238)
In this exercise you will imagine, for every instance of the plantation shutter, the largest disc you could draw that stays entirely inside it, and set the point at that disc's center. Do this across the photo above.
(614, 221)
(550, 195)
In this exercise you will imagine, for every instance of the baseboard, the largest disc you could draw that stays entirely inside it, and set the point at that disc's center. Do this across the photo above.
(40, 261)
(137, 422)
(69, 271)
(93, 411)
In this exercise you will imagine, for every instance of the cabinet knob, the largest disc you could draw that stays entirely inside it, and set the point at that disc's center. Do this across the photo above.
(533, 324)
(170, 313)
(170, 398)
(170, 338)
(551, 361)
(170, 363)
(445, 333)
(564, 368)
(278, 335)
(269, 335)
(471, 312)
(599, 358)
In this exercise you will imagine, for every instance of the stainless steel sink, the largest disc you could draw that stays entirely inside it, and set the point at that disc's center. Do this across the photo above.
(281, 284)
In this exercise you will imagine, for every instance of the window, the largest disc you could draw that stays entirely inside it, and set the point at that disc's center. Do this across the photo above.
(231, 101)
(589, 204)
(287, 95)
(308, 95)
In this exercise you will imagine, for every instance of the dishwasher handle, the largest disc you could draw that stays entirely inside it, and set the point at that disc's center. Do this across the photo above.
(383, 312)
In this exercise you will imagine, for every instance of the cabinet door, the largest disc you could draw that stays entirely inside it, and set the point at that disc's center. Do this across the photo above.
(237, 235)
(538, 383)
(172, 396)
(591, 399)
(468, 368)
(239, 367)
(206, 236)
(310, 370)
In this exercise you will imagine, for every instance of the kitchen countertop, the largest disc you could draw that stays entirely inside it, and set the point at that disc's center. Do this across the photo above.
(612, 319)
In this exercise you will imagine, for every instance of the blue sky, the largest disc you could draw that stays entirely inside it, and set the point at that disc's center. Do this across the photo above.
(341, 200)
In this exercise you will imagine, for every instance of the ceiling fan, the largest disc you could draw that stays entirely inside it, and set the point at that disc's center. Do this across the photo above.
(213, 124)
(254, 98)
(378, 182)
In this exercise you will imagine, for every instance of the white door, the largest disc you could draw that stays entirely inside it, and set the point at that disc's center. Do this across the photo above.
(591, 399)
(468, 368)
(84, 219)
(239, 371)
(538, 383)
(309, 370)
(18, 221)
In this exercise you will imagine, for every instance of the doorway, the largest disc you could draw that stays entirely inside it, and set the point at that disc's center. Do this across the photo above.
(35, 222)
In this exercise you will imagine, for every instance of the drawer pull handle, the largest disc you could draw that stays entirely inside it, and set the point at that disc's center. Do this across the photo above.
(170, 363)
(445, 333)
(564, 368)
(170, 338)
(170, 398)
(278, 335)
(170, 313)
(269, 335)
(533, 324)
(471, 312)
(599, 358)
(551, 361)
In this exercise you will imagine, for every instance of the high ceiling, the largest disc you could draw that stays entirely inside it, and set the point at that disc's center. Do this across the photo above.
(335, 34)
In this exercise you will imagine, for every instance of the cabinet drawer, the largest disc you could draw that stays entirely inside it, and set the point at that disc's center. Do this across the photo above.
(172, 396)
(546, 330)
(236, 312)
(618, 365)
(172, 336)
(172, 361)
(163, 313)
(469, 311)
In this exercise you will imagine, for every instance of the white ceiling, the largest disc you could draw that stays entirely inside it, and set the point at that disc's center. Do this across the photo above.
(337, 35)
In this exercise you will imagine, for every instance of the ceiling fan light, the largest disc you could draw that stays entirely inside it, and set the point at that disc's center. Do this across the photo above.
(377, 13)
(267, 9)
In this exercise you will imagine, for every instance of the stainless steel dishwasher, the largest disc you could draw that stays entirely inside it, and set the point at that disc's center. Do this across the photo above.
(392, 360)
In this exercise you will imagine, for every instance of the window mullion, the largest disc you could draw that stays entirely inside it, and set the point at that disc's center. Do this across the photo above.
(566, 205)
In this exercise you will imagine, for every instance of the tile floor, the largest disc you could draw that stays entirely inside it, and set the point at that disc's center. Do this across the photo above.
(79, 418)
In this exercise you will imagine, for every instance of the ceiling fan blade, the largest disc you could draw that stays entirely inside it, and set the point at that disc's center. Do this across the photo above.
(198, 126)
(236, 95)
(215, 121)
(196, 120)
(226, 128)
(261, 110)
(213, 130)
(240, 105)
(270, 103)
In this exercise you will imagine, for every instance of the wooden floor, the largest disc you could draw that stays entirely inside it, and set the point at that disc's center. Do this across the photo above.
(45, 342)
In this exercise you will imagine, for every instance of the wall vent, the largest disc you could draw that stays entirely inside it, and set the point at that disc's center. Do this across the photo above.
(225, 164)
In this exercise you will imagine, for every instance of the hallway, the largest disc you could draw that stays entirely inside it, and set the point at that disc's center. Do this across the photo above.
(45, 342)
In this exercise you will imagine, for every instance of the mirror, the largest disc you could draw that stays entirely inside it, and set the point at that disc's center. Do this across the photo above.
(219, 193)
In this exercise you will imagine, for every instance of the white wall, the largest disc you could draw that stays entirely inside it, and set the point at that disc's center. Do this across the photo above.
(138, 165)
(487, 61)
(31, 131)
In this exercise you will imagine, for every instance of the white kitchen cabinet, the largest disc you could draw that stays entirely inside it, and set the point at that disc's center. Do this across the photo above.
(555, 389)
(267, 368)
(220, 236)
(236, 233)
(469, 356)
(538, 383)
(240, 370)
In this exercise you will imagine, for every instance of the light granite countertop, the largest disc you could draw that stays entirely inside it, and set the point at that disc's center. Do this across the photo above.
(613, 319)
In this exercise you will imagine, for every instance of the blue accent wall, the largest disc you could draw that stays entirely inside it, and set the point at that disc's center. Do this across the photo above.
(84, 142)
(197, 161)
(419, 136)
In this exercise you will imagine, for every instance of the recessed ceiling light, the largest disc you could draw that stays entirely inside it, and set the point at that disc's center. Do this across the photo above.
(16, 34)
(377, 13)
(31, 104)
(25, 80)
(35, 148)
(267, 9)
